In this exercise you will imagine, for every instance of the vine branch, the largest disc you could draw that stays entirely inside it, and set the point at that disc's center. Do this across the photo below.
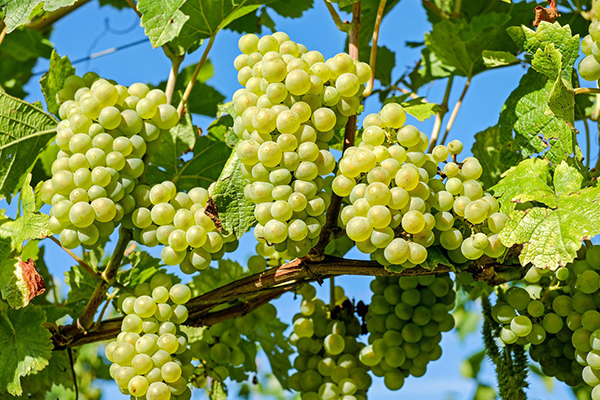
(439, 115)
(455, 110)
(373, 58)
(259, 289)
(190, 86)
(132, 5)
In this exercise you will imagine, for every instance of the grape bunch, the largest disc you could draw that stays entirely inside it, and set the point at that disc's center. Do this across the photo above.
(399, 200)
(406, 318)
(266, 257)
(327, 365)
(105, 131)
(558, 313)
(150, 357)
(292, 101)
(178, 221)
(589, 66)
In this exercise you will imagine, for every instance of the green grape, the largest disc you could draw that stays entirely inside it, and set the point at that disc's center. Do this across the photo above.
(589, 68)
(521, 326)
(138, 386)
(393, 115)
(158, 391)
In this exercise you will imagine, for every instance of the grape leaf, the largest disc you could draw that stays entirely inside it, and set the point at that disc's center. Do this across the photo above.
(428, 69)
(494, 156)
(162, 20)
(17, 13)
(270, 336)
(540, 109)
(207, 17)
(26, 44)
(166, 161)
(531, 179)
(235, 211)
(20, 282)
(551, 236)
(25, 129)
(143, 268)
(218, 391)
(32, 225)
(291, 9)
(212, 278)
(26, 346)
(420, 109)
(54, 79)
(493, 59)
(82, 287)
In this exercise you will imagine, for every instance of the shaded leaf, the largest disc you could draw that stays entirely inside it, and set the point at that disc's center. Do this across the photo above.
(82, 287)
(493, 59)
(26, 346)
(25, 129)
(493, 154)
(291, 9)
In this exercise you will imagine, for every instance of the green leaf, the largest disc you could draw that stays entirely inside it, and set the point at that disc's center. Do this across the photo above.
(493, 59)
(207, 17)
(235, 211)
(212, 278)
(291, 9)
(385, 63)
(82, 287)
(166, 161)
(530, 179)
(26, 44)
(270, 336)
(32, 225)
(540, 110)
(25, 129)
(19, 282)
(143, 268)
(218, 391)
(428, 69)
(493, 154)
(54, 79)
(26, 346)
(162, 20)
(17, 13)
(420, 109)
(551, 236)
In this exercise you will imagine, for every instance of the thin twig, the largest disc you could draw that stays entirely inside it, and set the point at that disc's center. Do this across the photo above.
(455, 110)
(2, 31)
(341, 25)
(47, 20)
(132, 5)
(373, 58)
(190, 86)
(72, 364)
(587, 139)
(439, 115)
(82, 263)
(586, 90)
(331, 293)
(170, 88)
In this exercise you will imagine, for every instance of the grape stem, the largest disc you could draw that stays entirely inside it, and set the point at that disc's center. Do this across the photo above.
(82, 263)
(341, 25)
(456, 109)
(251, 292)
(132, 5)
(439, 115)
(86, 319)
(331, 226)
(373, 58)
(586, 90)
(173, 72)
(190, 86)
(45, 21)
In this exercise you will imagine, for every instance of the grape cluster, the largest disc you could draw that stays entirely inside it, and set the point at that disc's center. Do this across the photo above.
(327, 365)
(589, 66)
(558, 313)
(150, 357)
(218, 348)
(178, 221)
(399, 201)
(292, 101)
(266, 257)
(105, 131)
(405, 321)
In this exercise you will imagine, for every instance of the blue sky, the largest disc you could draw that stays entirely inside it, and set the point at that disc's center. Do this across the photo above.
(91, 29)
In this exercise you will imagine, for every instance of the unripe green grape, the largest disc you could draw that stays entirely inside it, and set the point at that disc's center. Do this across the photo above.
(324, 119)
(81, 215)
(163, 214)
